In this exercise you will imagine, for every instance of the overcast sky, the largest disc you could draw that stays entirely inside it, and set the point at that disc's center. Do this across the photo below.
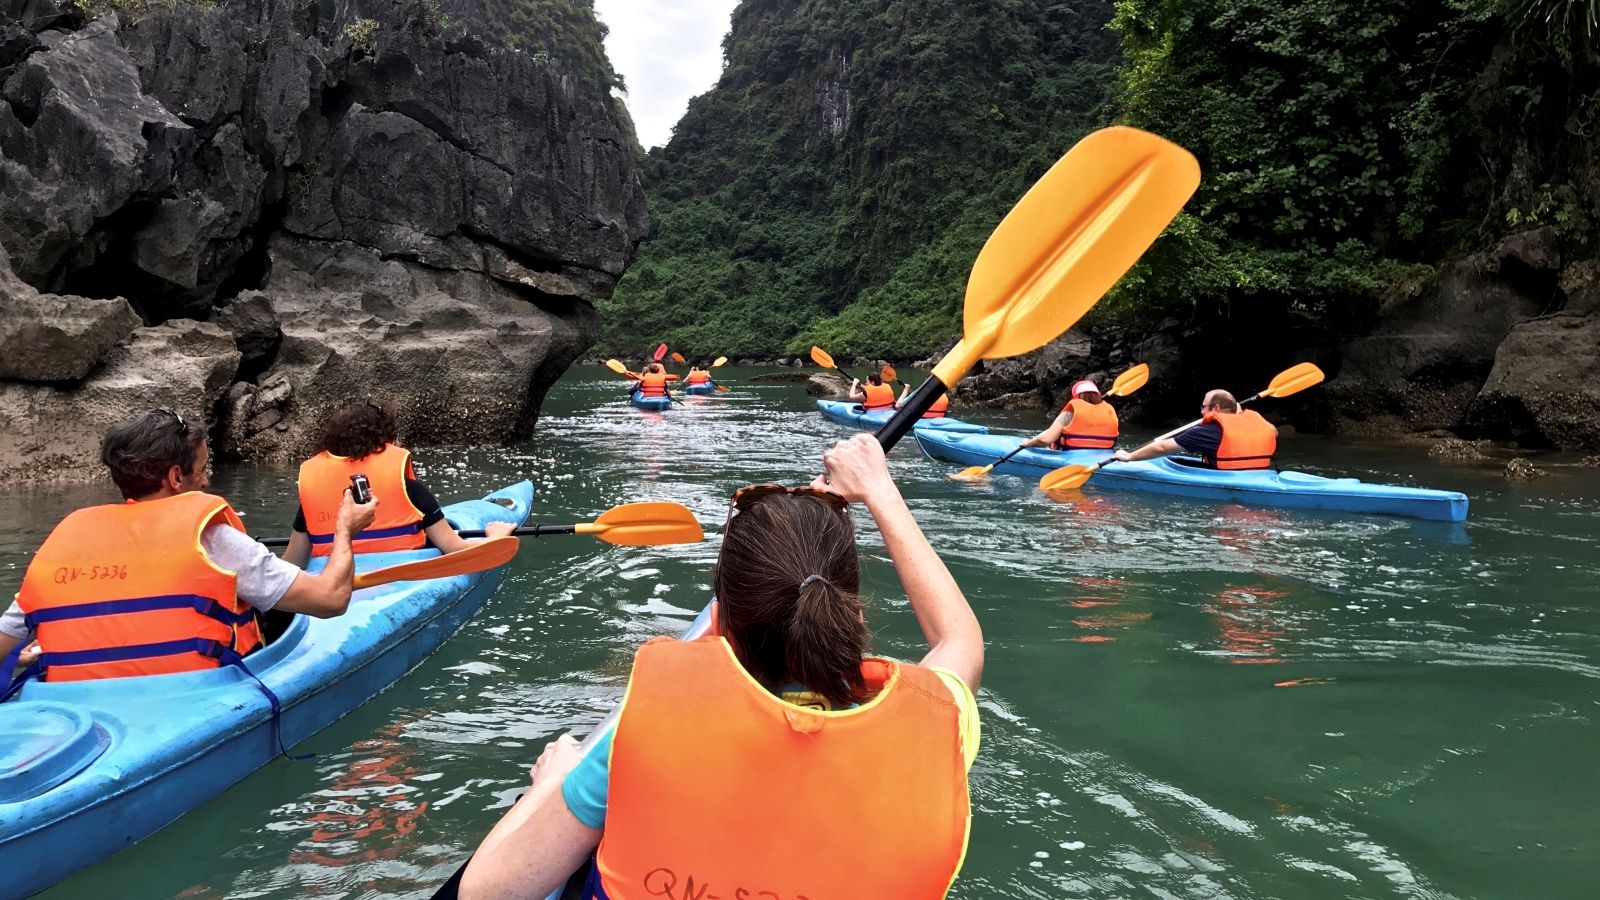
(667, 52)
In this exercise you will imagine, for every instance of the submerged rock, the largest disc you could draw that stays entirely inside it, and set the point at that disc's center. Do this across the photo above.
(1454, 449)
(1520, 469)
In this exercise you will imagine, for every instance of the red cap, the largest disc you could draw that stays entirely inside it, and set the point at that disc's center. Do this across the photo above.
(1085, 387)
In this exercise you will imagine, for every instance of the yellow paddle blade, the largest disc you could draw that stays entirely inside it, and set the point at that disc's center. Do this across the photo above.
(477, 557)
(1067, 478)
(677, 357)
(1067, 241)
(1129, 381)
(1294, 380)
(973, 473)
(721, 360)
(646, 524)
(821, 357)
(888, 374)
(722, 389)
(616, 366)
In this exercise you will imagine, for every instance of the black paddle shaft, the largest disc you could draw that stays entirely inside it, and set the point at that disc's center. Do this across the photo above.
(524, 531)
(906, 416)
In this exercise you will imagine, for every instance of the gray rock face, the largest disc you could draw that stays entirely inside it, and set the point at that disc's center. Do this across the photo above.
(459, 357)
(1544, 389)
(45, 337)
(829, 385)
(52, 432)
(216, 163)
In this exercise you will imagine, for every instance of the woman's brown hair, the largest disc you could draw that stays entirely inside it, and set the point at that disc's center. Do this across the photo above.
(359, 430)
(786, 626)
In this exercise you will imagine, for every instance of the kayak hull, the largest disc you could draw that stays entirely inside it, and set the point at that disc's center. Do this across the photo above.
(1283, 489)
(655, 403)
(851, 415)
(158, 746)
(700, 390)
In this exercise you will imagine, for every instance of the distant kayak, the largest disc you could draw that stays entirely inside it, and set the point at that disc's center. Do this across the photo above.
(655, 403)
(1293, 490)
(90, 767)
(700, 390)
(853, 416)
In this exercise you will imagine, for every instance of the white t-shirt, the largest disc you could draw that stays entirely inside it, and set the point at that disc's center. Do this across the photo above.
(263, 577)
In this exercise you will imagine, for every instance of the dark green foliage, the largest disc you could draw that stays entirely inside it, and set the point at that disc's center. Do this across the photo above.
(836, 185)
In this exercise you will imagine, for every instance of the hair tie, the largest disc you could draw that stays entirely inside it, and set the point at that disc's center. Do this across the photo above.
(809, 579)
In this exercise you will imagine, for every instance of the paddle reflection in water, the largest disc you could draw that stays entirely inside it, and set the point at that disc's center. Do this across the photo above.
(1099, 604)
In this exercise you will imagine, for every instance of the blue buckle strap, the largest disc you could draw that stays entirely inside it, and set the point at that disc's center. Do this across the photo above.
(213, 649)
(371, 534)
(230, 658)
(202, 605)
(9, 667)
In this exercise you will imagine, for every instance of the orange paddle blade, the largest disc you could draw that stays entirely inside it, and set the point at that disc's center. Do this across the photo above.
(973, 473)
(722, 389)
(677, 357)
(661, 351)
(821, 358)
(645, 524)
(1067, 478)
(478, 556)
(888, 374)
(1129, 381)
(1067, 241)
(1294, 380)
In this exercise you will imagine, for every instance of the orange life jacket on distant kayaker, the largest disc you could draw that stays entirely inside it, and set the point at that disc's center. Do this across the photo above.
(126, 589)
(699, 377)
(323, 480)
(939, 409)
(879, 396)
(1093, 426)
(1248, 440)
(865, 802)
(653, 384)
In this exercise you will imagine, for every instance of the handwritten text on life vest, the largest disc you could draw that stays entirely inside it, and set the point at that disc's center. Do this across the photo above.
(664, 882)
(69, 574)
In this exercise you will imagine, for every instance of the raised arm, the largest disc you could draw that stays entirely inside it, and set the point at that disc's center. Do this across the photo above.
(857, 470)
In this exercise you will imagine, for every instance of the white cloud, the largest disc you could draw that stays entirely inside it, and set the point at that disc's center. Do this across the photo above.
(667, 52)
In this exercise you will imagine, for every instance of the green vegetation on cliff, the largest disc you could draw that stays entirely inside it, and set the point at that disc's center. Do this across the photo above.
(836, 184)
(565, 32)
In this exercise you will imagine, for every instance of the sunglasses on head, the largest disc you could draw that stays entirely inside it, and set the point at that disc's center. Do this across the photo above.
(183, 427)
(746, 497)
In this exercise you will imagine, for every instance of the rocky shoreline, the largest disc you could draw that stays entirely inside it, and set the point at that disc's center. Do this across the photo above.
(258, 210)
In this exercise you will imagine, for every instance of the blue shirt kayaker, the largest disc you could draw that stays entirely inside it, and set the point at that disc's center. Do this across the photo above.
(1256, 439)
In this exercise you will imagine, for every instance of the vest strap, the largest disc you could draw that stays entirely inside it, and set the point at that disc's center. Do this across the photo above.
(205, 606)
(9, 666)
(371, 534)
(213, 649)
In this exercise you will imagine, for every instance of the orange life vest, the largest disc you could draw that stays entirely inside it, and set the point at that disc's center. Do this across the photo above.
(653, 384)
(716, 783)
(1093, 426)
(879, 396)
(939, 408)
(126, 589)
(1248, 440)
(323, 480)
(699, 377)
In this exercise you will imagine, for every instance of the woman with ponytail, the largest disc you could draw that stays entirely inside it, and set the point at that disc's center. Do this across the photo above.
(775, 757)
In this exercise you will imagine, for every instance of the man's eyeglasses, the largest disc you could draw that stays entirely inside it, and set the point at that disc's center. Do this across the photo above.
(183, 427)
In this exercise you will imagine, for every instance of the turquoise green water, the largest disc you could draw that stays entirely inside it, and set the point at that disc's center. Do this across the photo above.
(1182, 700)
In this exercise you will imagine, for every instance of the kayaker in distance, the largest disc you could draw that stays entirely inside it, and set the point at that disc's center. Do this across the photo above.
(872, 395)
(167, 581)
(697, 376)
(939, 409)
(774, 756)
(1087, 422)
(360, 438)
(653, 381)
(1228, 438)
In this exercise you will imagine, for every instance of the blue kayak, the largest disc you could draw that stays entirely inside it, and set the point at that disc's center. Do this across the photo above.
(853, 416)
(1293, 490)
(90, 767)
(655, 403)
(700, 390)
